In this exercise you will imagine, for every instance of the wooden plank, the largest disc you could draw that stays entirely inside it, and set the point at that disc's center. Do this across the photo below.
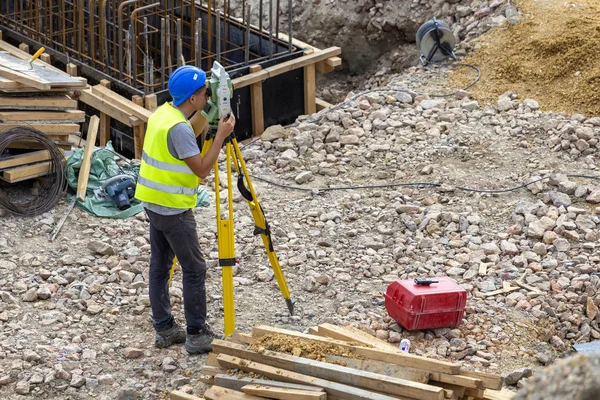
(400, 358)
(461, 380)
(453, 392)
(25, 144)
(334, 389)
(40, 72)
(314, 330)
(283, 393)
(331, 372)
(383, 368)
(5, 46)
(207, 379)
(211, 360)
(102, 105)
(489, 381)
(474, 392)
(151, 102)
(219, 393)
(50, 116)
(139, 134)
(310, 90)
(38, 103)
(86, 162)
(240, 337)
(23, 78)
(104, 129)
(328, 65)
(178, 395)
(351, 334)
(322, 104)
(23, 159)
(212, 371)
(503, 394)
(285, 67)
(256, 104)
(23, 173)
(44, 128)
(127, 105)
(235, 383)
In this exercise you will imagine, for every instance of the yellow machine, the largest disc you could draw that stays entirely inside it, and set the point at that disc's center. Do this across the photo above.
(220, 90)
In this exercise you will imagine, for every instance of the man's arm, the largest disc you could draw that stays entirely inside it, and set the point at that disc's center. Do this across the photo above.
(201, 166)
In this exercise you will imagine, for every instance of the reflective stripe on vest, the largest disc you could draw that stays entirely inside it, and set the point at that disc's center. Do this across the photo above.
(164, 179)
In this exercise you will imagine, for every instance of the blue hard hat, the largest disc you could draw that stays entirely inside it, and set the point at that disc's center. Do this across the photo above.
(184, 82)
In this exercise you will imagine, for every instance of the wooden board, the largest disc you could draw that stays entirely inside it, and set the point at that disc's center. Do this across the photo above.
(503, 394)
(40, 73)
(383, 368)
(283, 393)
(310, 90)
(334, 389)
(488, 381)
(24, 159)
(127, 105)
(70, 116)
(235, 383)
(109, 108)
(38, 103)
(351, 334)
(23, 78)
(219, 393)
(404, 359)
(331, 372)
(23, 173)
(86, 162)
(44, 128)
(178, 395)
(27, 144)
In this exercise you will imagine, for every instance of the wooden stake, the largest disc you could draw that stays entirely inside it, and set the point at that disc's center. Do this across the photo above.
(72, 69)
(151, 102)
(256, 94)
(24, 47)
(84, 171)
(46, 58)
(310, 90)
(104, 129)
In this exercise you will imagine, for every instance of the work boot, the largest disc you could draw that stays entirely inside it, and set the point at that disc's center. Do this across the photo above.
(202, 342)
(168, 337)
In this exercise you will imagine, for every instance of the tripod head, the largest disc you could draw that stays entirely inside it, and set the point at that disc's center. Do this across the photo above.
(220, 90)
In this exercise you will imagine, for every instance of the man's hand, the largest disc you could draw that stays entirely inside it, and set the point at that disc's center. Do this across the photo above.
(225, 127)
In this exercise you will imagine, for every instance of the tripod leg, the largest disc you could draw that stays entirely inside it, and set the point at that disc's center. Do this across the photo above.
(226, 245)
(262, 226)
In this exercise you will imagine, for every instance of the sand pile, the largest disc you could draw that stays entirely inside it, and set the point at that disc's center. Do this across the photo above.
(552, 56)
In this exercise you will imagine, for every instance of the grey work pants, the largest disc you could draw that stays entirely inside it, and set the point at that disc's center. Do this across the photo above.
(169, 236)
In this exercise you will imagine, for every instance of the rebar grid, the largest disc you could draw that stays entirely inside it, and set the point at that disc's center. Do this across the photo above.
(140, 42)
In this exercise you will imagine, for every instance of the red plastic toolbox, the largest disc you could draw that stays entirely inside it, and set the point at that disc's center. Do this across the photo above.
(438, 305)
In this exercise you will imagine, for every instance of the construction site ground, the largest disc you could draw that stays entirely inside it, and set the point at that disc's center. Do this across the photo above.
(74, 313)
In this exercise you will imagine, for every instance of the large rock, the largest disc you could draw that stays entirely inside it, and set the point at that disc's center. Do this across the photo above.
(273, 133)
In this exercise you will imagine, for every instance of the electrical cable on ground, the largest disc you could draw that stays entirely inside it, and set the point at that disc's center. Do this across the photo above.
(50, 193)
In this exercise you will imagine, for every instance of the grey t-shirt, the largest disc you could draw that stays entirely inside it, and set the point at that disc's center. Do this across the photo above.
(181, 141)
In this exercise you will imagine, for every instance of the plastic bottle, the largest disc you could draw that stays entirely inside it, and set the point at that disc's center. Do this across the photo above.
(405, 345)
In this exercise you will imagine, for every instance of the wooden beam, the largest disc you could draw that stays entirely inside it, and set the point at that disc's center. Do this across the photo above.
(285, 67)
(322, 104)
(332, 372)
(32, 145)
(29, 116)
(23, 159)
(256, 104)
(240, 337)
(46, 58)
(104, 129)
(139, 134)
(338, 390)
(405, 359)
(151, 102)
(24, 47)
(9, 48)
(24, 79)
(129, 106)
(219, 393)
(283, 393)
(489, 381)
(84, 170)
(72, 69)
(310, 90)
(44, 128)
(107, 107)
(23, 173)
(178, 395)
(383, 368)
(351, 334)
(38, 103)
(235, 383)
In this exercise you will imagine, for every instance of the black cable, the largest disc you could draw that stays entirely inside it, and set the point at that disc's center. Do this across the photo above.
(427, 184)
(46, 199)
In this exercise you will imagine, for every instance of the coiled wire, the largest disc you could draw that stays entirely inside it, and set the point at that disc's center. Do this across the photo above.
(53, 190)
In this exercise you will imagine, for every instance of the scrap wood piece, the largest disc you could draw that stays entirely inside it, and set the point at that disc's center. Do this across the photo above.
(506, 288)
(179, 395)
(383, 368)
(488, 381)
(219, 393)
(62, 220)
(332, 372)
(38, 116)
(86, 162)
(454, 392)
(283, 393)
(235, 383)
(24, 159)
(18, 174)
(351, 334)
(400, 358)
(338, 390)
(59, 103)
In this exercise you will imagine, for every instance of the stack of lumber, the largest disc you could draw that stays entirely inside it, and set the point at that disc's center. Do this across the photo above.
(39, 96)
(333, 362)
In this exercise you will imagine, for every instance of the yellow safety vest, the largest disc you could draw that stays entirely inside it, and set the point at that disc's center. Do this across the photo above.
(163, 179)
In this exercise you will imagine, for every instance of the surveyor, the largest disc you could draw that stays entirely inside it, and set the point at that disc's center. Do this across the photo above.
(168, 186)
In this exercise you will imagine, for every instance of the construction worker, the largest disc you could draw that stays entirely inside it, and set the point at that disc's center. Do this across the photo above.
(168, 187)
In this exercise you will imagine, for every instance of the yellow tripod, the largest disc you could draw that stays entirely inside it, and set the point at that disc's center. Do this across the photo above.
(225, 232)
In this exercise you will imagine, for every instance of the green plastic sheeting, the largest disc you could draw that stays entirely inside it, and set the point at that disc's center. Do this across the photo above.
(102, 168)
